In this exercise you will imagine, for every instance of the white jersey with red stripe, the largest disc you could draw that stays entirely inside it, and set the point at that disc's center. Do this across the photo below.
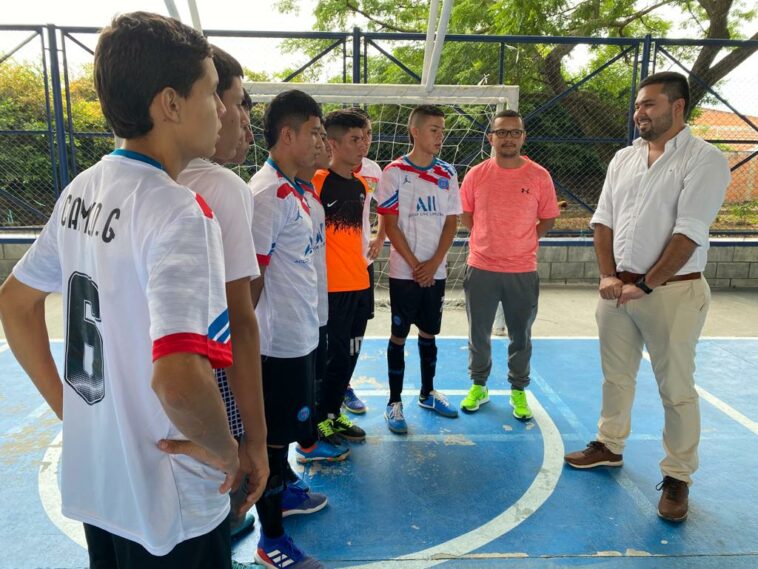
(421, 198)
(318, 219)
(372, 173)
(140, 263)
(232, 204)
(283, 233)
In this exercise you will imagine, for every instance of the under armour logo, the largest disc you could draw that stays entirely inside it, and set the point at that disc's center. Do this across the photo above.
(524, 190)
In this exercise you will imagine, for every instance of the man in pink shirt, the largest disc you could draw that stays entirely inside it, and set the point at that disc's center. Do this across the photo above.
(508, 204)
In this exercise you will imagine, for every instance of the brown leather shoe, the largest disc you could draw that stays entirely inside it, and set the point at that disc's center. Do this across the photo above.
(596, 454)
(673, 505)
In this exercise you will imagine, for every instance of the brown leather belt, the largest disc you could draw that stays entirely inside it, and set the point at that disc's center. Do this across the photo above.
(627, 277)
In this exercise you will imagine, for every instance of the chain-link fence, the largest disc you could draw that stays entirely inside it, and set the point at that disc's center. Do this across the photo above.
(576, 95)
(28, 178)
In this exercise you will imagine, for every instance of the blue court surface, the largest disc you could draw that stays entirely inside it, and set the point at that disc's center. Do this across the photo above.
(483, 490)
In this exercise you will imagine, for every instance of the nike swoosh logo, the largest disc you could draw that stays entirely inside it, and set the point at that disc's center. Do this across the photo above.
(331, 203)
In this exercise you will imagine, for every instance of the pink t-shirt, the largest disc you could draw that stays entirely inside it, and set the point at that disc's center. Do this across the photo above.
(506, 205)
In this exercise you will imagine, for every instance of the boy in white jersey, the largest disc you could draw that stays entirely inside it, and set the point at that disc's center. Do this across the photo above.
(232, 203)
(139, 260)
(320, 449)
(420, 201)
(286, 298)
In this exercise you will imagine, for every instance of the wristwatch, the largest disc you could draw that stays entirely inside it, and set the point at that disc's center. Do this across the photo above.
(642, 285)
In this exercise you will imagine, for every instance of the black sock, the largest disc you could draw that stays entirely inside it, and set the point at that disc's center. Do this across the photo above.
(395, 369)
(427, 353)
(269, 506)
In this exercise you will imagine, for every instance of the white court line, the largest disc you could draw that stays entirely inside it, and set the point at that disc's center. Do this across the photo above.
(50, 494)
(539, 491)
(4, 347)
(725, 408)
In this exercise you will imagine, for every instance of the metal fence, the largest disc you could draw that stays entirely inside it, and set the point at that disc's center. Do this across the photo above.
(577, 107)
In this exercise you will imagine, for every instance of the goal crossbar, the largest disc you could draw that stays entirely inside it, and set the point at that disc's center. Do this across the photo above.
(373, 94)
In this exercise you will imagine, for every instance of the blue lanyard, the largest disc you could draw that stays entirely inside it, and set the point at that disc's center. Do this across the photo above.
(137, 156)
(275, 166)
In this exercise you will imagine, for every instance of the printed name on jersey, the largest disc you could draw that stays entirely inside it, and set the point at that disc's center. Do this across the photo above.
(77, 216)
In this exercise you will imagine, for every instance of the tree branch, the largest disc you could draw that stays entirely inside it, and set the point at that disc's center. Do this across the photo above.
(386, 25)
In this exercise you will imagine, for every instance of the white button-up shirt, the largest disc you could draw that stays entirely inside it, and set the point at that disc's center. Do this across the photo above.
(681, 192)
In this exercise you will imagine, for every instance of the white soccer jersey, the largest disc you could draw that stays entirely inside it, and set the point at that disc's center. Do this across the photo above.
(371, 172)
(422, 198)
(140, 263)
(232, 204)
(318, 219)
(283, 233)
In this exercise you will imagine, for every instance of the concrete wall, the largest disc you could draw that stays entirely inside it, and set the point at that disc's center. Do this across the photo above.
(732, 263)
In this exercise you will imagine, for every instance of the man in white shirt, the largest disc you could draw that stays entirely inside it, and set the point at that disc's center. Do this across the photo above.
(139, 260)
(651, 240)
(232, 203)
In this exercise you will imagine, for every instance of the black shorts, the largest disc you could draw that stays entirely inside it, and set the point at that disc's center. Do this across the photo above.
(370, 292)
(288, 386)
(413, 304)
(213, 549)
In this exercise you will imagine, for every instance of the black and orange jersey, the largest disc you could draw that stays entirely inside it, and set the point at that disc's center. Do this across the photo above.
(343, 200)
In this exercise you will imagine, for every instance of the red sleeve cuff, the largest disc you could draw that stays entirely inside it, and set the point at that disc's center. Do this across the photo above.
(264, 260)
(219, 354)
(387, 210)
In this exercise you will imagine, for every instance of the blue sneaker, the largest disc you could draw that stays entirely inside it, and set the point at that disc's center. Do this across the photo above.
(296, 501)
(352, 403)
(298, 483)
(438, 403)
(282, 553)
(395, 418)
(321, 451)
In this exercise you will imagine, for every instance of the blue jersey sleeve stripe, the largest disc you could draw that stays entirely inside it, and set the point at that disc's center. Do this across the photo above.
(218, 324)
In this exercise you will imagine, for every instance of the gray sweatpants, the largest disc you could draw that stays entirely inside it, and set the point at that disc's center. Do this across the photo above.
(519, 293)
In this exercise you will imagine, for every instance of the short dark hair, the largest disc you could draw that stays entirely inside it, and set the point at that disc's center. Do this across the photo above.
(337, 123)
(247, 102)
(424, 111)
(507, 114)
(138, 56)
(289, 108)
(675, 86)
(227, 68)
(360, 111)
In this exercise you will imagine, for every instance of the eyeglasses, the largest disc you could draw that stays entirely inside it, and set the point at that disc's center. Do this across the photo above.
(506, 133)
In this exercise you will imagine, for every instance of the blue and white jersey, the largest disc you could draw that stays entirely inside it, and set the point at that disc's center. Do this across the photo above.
(421, 198)
(318, 218)
(283, 234)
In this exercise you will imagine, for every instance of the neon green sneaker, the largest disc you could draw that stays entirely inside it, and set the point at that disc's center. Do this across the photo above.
(477, 395)
(520, 407)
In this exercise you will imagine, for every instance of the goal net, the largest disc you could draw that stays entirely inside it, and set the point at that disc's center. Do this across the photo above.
(468, 110)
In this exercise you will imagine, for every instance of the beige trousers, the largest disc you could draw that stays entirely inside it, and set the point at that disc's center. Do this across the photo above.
(668, 323)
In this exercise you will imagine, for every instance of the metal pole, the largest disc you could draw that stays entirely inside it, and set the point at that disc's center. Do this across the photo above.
(195, 15)
(172, 11)
(60, 128)
(429, 47)
(630, 121)
(501, 70)
(439, 42)
(49, 120)
(69, 111)
(647, 43)
(356, 55)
